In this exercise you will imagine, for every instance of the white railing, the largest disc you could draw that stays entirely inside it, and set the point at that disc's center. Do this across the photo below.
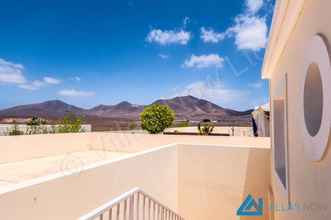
(132, 205)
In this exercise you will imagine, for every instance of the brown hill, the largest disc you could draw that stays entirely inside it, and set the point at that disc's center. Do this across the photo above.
(186, 108)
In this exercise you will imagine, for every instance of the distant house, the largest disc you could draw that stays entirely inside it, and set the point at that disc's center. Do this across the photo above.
(261, 120)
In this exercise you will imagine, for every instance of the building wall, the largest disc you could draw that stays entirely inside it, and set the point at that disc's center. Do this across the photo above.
(213, 181)
(205, 177)
(67, 197)
(18, 148)
(309, 181)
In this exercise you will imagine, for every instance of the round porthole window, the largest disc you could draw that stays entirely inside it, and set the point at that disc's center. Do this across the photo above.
(313, 99)
(316, 96)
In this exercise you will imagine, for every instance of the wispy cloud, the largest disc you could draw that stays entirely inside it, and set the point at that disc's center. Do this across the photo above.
(75, 78)
(204, 61)
(217, 93)
(51, 80)
(166, 37)
(163, 56)
(37, 84)
(76, 93)
(186, 21)
(211, 36)
(253, 6)
(11, 72)
(256, 85)
(33, 85)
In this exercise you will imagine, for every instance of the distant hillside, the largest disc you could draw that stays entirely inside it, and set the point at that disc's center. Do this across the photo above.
(186, 108)
(121, 110)
(51, 109)
(189, 107)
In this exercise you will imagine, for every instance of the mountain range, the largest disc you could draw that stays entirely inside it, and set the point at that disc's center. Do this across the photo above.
(186, 108)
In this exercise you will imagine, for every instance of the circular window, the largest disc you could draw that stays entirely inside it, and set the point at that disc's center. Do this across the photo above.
(315, 111)
(313, 99)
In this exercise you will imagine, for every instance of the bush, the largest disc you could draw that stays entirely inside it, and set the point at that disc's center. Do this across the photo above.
(70, 124)
(183, 124)
(14, 131)
(36, 126)
(205, 127)
(155, 118)
(132, 126)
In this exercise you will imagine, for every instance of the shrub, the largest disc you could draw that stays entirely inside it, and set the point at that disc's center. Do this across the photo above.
(155, 118)
(183, 124)
(70, 124)
(132, 126)
(35, 126)
(14, 131)
(206, 127)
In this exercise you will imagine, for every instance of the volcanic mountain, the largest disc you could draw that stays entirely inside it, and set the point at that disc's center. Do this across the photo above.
(186, 108)
(50, 110)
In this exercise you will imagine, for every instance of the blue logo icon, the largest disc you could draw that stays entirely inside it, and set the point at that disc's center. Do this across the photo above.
(250, 207)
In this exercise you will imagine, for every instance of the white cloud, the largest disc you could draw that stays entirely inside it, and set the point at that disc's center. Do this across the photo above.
(250, 33)
(75, 93)
(213, 92)
(11, 72)
(34, 85)
(167, 37)
(204, 61)
(253, 6)
(210, 36)
(37, 84)
(51, 80)
(163, 56)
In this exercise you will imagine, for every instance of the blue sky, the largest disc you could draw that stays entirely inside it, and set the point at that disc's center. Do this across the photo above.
(102, 52)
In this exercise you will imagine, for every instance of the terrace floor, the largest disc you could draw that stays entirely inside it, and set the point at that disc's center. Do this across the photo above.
(17, 172)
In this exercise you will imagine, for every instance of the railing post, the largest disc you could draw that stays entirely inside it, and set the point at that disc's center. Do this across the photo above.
(110, 213)
(118, 211)
(131, 208)
(143, 214)
(125, 209)
(130, 204)
(149, 208)
(138, 206)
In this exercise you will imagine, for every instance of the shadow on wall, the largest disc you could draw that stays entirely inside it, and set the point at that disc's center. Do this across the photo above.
(253, 180)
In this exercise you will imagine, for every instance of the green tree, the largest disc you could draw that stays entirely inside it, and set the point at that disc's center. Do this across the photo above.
(71, 123)
(155, 118)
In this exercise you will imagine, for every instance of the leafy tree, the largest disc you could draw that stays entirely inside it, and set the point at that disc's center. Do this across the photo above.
(70, 124)
(206, 127)
(155, 118)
